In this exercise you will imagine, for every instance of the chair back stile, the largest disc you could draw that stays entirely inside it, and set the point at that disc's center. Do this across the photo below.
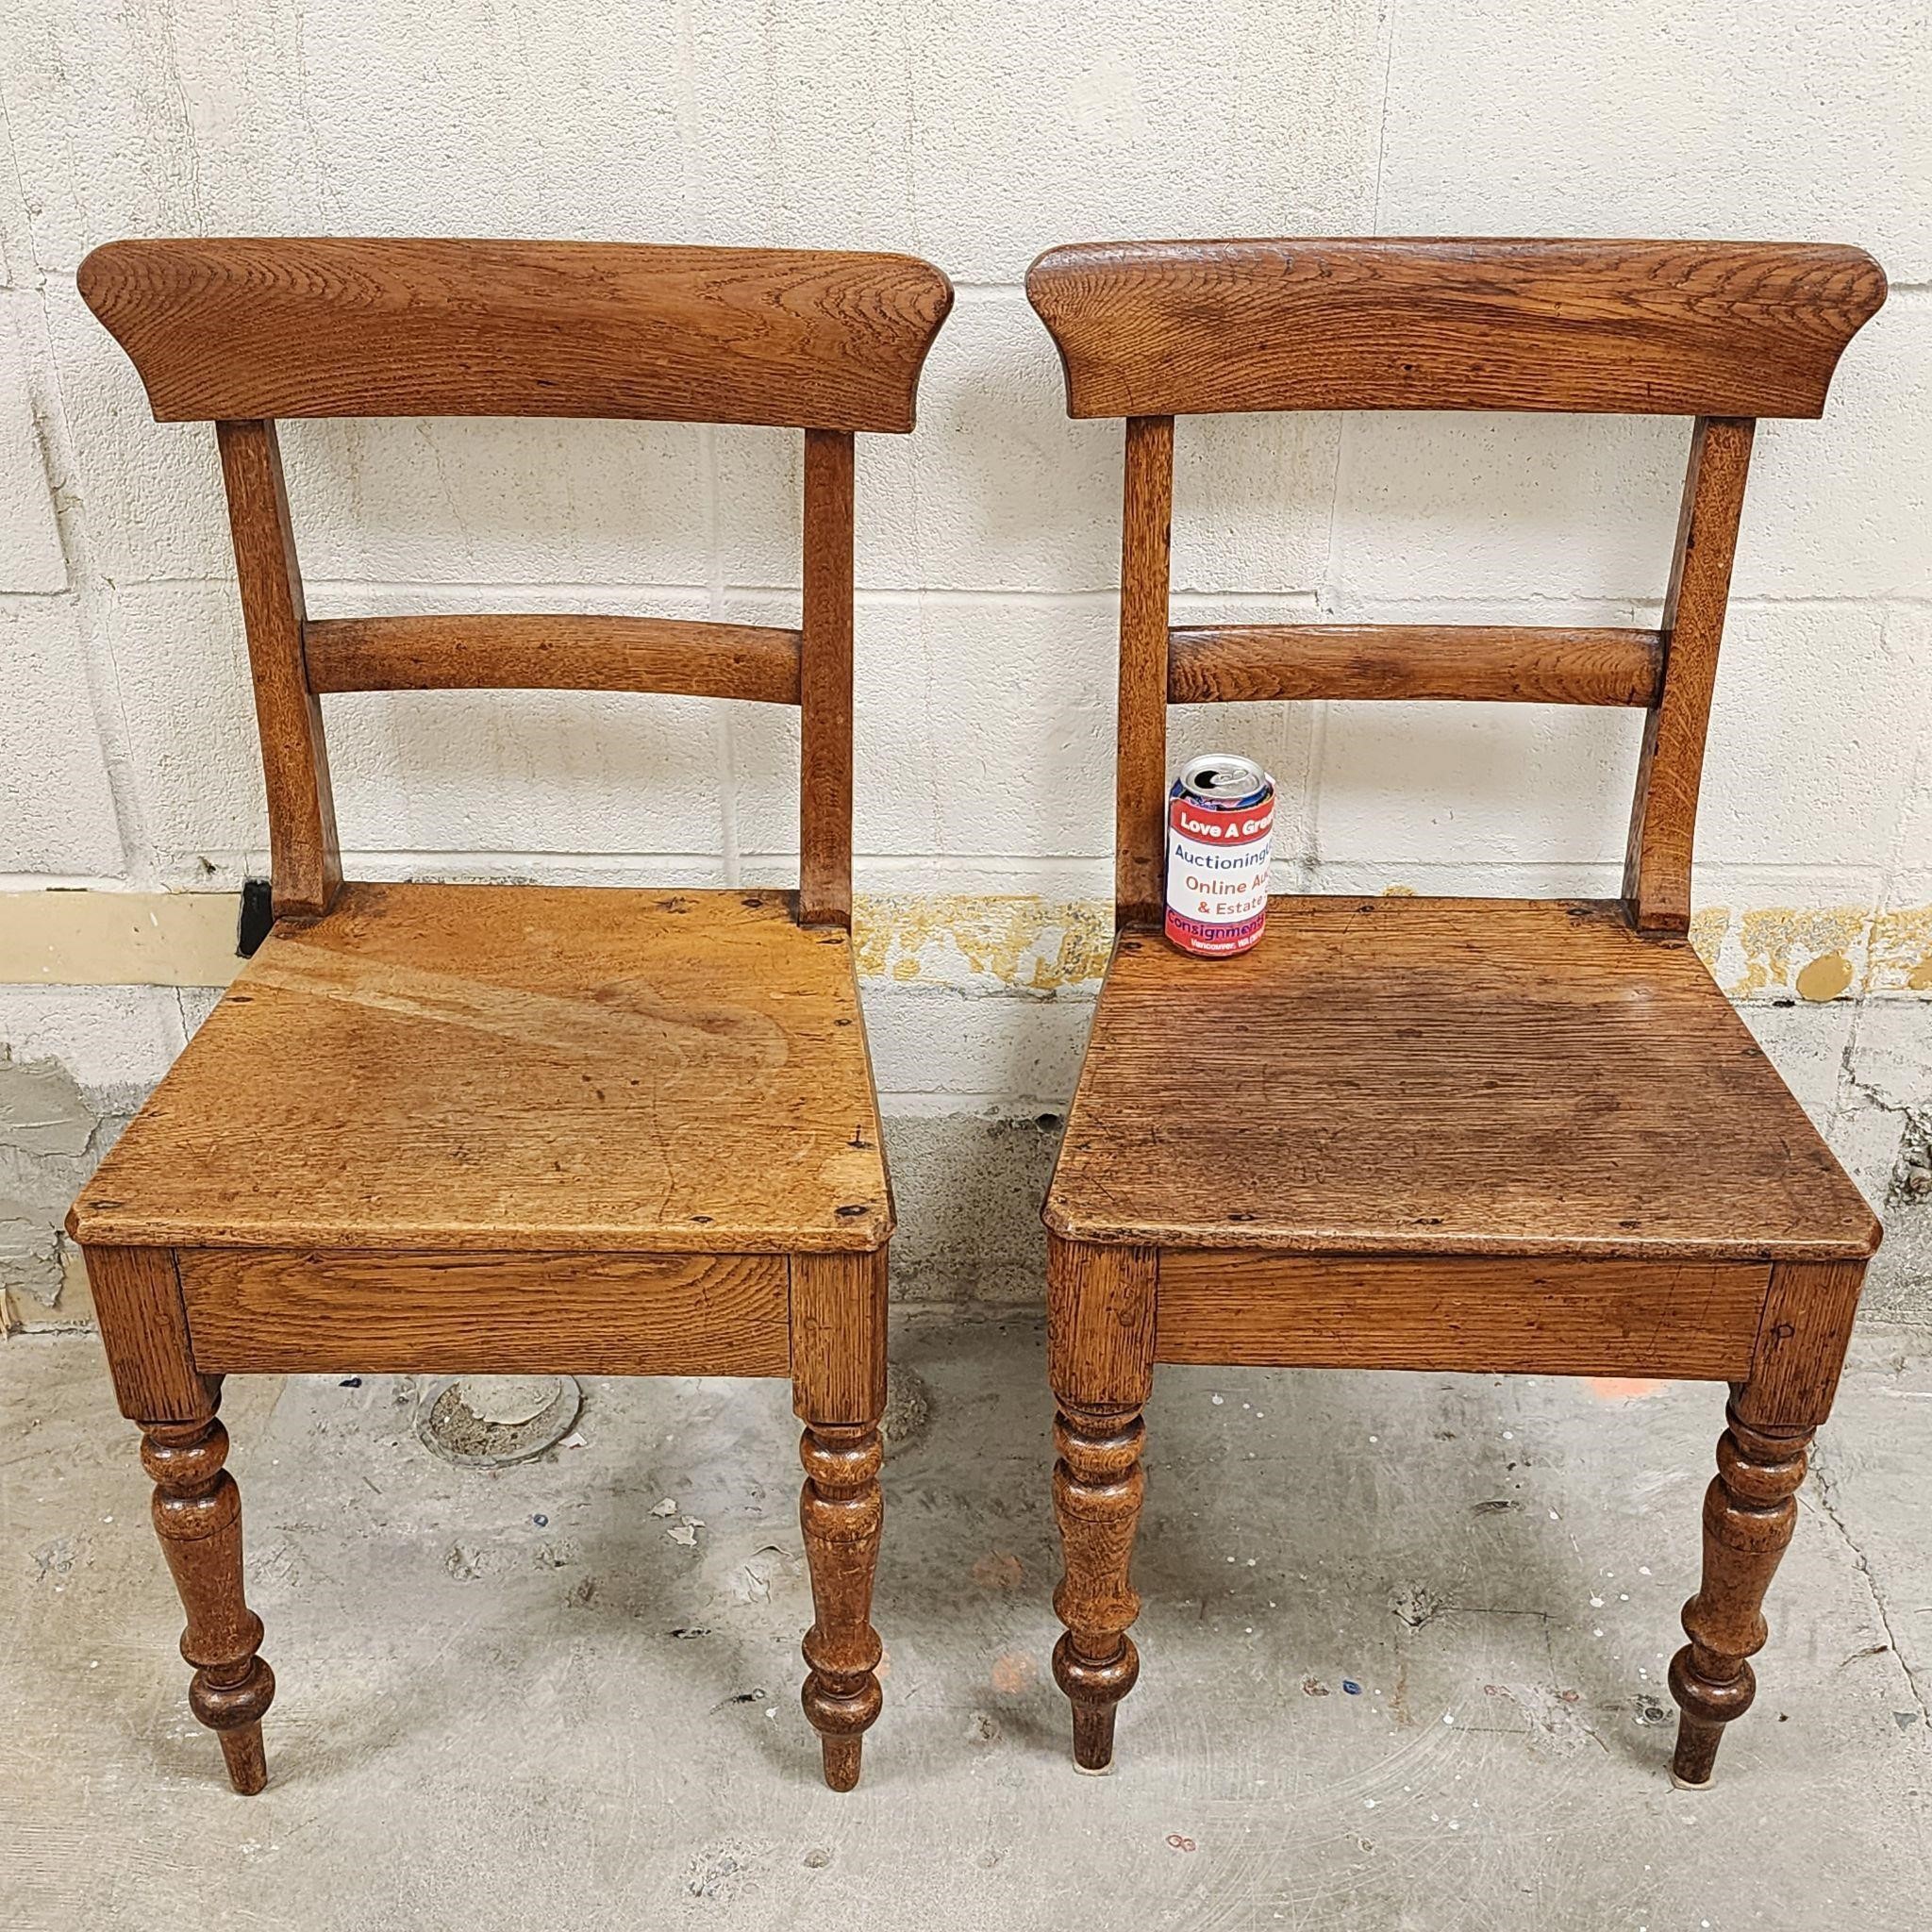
(1720, 332)
(241, 333)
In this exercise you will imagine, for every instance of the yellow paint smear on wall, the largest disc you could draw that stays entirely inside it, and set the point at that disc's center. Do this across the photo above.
(970, 940)
(1901, 951)
(1785, 948)
(1040, 946)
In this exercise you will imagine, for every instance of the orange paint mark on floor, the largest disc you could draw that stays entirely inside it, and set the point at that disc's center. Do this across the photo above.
(1013, 1672)
(1621, 1388)
(997, 1570)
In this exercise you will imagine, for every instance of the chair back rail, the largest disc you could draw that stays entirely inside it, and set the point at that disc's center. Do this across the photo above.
(242, 332)
(1724, 332)
(1673, 328)
(338, 327)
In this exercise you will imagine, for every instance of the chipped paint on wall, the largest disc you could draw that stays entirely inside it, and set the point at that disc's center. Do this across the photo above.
(1901, 951)
(983, 942)
(979, 942)
(971, 943)
(1815, 952)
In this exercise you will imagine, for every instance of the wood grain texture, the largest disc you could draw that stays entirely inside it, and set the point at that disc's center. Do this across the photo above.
(1098, 1488)
(541, 652)
(1801, 1345)
(338, 327)
(143, 1322)
(1670, 770)
(1100, 1323)
(1409, 1075)
(837, 1314)
(1482, 1316)
(1140, 773)
(1717, 328)
(840, 1514)
(1211, 664)
(310, 1311)
(304, 861)
(1750, 1512)
(824, 763)
(517, 1067)
(197, 1515)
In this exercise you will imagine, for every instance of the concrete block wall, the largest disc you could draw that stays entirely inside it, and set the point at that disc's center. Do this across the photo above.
(974, 133)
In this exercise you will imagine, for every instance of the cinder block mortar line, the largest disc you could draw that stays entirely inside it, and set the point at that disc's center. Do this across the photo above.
(1711, 872)
(1715, 869)
(66, 882)
(1918, 788)
(722, 726)
(890, 597)
(17, 274)
(974, 1100)
(93, 595)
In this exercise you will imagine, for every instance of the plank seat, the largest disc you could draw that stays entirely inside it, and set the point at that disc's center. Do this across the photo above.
(1409, 1075)
(517, 1067)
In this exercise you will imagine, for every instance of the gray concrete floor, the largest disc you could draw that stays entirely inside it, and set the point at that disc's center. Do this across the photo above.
(1405, 1641)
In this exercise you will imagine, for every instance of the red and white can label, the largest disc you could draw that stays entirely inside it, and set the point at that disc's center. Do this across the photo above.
(1217, 874)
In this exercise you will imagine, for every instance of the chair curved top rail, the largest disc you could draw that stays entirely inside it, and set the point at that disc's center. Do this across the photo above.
(1715, 329)
(338, 327)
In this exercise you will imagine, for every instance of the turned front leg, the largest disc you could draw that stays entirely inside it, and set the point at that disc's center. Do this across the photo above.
(1098, 1485)
(1100, 1362)
(1749, 1513)
(197, 1514)
(840, 1511)
(839, 1393)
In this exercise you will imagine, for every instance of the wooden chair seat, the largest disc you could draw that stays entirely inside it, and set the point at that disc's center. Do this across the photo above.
(1406, 1076)
(517, 1067)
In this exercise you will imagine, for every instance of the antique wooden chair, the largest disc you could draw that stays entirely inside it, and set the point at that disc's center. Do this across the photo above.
(476, 1129)
(1425, 1133)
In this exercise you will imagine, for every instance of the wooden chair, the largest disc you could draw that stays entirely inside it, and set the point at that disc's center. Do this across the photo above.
(469, 1128)
(1425, 1133)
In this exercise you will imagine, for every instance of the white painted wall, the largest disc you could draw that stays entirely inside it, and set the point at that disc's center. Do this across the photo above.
(973, 133)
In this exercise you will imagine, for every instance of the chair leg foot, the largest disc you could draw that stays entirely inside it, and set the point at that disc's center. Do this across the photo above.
(1093, 1736)
(1097, 1489)
(1750, 1512)
(841, 1510)
(197, 1515)
(843, 1760)
(241, 1748)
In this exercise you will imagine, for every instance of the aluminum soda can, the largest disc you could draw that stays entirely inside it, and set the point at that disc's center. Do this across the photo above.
(1219, 837)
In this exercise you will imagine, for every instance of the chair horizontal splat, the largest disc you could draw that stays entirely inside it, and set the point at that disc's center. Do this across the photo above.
(1490, 663)
(545, 652)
